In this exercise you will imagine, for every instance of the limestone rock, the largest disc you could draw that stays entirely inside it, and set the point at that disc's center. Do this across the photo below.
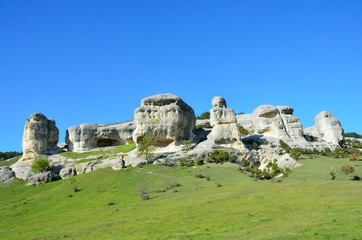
(203, 123)
(5, 173)
(218, 102)
(67, 172)
(267, 121)
(328, 128)
(88, 136)
(39, 135)
(22, 170)
(225, 132)
(115, 163)
(245, 120)
(167, 117)
(40, 178)
(86, 167)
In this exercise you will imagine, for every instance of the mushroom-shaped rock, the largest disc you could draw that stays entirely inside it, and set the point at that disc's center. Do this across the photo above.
(88, 136)
(167, 117)
(218, 102)
(39, 135)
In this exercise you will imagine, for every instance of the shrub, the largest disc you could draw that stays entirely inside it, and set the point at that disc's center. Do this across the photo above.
(219, 156)
(353, 134)
(346, 169)
(352, 159)
(285, 146)
(205, 115)
(182, 161)
(255, 146)
(187, 143)
(144, 193)
(295, 153)
(146, 146)
(243, 131)
(110, 203)
(245, 162)
(41, 164)
(199, 161)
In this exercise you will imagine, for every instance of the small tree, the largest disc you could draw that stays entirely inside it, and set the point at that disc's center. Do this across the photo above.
(205, 115)
(40, 164)
(146, 146)
(346, 169)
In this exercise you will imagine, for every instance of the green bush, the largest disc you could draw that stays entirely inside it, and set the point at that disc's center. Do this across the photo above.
(183, 161)
(295, 153)
(205, 115)
(243, 131)
(255, 146)
(40, 164)
(346, 169)
(285, 146)
(245, 162)
(220, 156)
(200, 161)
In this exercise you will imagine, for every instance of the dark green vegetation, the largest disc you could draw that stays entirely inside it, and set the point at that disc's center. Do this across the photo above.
(40, 164)
(205, 115)
(119, 149)
(353, 134)
(222, 204)
(7, 155)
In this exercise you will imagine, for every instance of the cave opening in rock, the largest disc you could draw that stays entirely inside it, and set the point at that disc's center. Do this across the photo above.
(107, 142)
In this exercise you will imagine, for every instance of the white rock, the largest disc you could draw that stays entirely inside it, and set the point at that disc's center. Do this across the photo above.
(5, 173)
(39, 135)
(167, 117)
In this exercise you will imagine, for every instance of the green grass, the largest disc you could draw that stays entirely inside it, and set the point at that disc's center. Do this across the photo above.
(306, 205)
(118, 149)
(10, 162)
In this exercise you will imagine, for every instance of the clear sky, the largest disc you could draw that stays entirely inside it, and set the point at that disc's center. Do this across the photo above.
(94, 61)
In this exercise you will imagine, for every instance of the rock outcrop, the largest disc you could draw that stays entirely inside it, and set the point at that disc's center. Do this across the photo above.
(167, 117)
(5, 173)
(88, 136)
(40, 134)
(225, 132)
(328, 128)
(67, 172)
(40, 178)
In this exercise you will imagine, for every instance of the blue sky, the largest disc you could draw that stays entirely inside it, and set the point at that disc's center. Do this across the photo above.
(94, 61)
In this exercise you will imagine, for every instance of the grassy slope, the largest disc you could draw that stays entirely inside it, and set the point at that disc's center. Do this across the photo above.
(118, 149)
(306, 205)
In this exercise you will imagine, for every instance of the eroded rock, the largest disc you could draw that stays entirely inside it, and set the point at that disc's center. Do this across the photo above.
(40, 134)
(167, 117)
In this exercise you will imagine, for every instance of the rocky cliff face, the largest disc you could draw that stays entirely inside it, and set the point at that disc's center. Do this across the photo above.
(88, 136)
(40, 134)
(167, 117)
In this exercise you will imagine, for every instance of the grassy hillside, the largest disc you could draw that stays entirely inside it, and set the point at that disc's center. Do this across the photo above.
(306, 205)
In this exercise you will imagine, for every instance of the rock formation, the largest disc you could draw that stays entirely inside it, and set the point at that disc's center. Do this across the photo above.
(40, 134)
(88, 136)
(225, 132)
(328, 128)
(167, 117)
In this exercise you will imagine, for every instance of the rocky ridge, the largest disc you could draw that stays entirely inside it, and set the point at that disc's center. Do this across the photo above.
(171, 121)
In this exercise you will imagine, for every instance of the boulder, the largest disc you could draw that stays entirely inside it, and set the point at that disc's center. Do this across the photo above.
(245, 120)
(40, 178)
(67, 172)
(328, 128)
(5, 173)
(86, 167)
(167, 117)
(39, 135)
(89, 136)
(22, 170)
